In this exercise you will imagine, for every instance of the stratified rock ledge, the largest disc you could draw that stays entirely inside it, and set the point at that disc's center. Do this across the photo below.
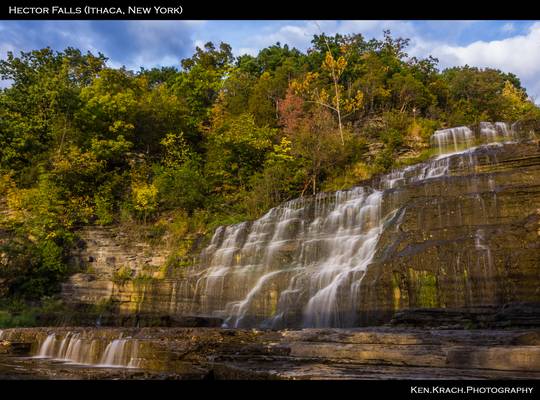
(362, 353)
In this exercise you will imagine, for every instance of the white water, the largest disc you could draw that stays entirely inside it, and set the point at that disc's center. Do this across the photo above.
(485, 259)
(310, 254)
(357, 226)
(47, 347)
(120, 353)
(75, 349)
(453, 138)
(493, 132)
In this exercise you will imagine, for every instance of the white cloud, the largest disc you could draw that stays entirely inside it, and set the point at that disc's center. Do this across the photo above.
(294, 35)
(509, 27)
(300, 33)
(518, 54)
(375, 29)
(246, 50)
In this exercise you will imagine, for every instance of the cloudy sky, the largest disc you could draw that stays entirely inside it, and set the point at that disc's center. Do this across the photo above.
(512, 46)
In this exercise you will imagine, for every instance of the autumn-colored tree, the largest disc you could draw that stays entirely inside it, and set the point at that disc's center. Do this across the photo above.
(312, 88)
(313, 139)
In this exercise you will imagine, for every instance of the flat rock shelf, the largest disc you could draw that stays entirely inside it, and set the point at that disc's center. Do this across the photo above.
(217, 353)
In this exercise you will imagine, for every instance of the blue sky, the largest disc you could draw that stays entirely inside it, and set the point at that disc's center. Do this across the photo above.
(512, 46)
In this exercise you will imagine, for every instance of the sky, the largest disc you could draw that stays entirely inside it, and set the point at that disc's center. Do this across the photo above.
(511, 46)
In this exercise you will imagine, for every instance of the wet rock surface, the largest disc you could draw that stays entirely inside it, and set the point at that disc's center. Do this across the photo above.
(362, 353)
(464, 243)
(509, 315)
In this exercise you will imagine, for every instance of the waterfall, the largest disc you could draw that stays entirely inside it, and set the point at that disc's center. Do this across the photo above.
(486, 258)
(336, 277)
(322, 245)
(493, 132)
(302, 263)
(120, 353)
(454, 138)
(47, 348)
(460, 138)
(75, 349)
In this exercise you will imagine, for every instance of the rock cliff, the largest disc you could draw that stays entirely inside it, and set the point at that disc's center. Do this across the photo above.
(459, 232)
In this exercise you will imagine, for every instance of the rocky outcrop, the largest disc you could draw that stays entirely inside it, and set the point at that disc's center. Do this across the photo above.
(374, 353)
(462, 240)
(512, 314)
(106, 255)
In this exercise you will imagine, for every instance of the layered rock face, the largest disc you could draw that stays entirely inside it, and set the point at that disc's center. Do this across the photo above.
(104, 252)
(468, 239)
(461, 230)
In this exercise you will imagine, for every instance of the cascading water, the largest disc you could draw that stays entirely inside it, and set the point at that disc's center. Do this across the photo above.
(327, 244)
(120, 353)
(302, 263)
(357, 226)
(74, 348)
(493, 132)
(46, 349)
(453, 138)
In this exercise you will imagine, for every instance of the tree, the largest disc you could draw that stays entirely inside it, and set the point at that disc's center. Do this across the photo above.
(37, 109)
(144, 199)
(313, 139)
(312, 88)
(236, 150)
(200, 81)
(517, 105)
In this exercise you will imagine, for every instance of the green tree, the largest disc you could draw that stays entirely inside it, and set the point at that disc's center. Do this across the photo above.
(200, 81)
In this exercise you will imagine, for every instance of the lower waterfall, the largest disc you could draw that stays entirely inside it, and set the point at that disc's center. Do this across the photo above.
(75, 349)
(302, 263)
(120, 353)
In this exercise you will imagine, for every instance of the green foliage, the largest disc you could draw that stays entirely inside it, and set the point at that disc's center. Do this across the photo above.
(236, 150)
(201, 80)
(214, 142)
(181, 187)
(31, 270)
(26, 318)
(122, 275)
(143, 279)
(15, 312)
(104, 206)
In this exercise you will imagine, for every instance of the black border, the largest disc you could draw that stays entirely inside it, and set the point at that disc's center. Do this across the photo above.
(331, 390)
(291, 9)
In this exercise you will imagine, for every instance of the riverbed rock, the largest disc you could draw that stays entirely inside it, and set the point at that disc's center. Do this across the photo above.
(361, 353)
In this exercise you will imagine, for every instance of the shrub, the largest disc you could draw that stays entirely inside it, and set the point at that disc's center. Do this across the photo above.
(122, 275)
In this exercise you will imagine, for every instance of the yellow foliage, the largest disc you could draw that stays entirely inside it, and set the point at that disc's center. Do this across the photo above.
(518, 105)
(323, 96)
(512, 93)
(336, 67)
(362, 171)
(17, 200)
(305, 86)
(144, 197)
(354, 103)
(282, 151)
